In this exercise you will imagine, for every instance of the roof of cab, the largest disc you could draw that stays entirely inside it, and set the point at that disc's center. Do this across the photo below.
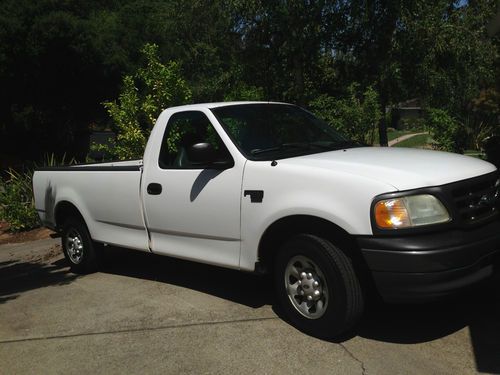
(218, 104)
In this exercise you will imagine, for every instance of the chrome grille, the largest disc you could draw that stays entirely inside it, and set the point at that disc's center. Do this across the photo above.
(477, 200)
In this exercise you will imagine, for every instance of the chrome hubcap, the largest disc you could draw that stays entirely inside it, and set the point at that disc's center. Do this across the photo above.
(306, 287)
(74, 246)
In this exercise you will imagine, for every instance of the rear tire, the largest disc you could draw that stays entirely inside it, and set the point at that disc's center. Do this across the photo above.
(78, 247)
(316, 287)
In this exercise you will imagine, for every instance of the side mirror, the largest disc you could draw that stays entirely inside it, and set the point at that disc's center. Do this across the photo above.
(201, 153)
(204, 155)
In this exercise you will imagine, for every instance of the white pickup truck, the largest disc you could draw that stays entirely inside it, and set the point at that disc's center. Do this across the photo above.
(267, 187)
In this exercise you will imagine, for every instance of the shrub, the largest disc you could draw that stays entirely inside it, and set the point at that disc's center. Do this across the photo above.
(355, 115)
(135, 112)
(446, 131)
(413, 124)
(482, 120)
(17, 206)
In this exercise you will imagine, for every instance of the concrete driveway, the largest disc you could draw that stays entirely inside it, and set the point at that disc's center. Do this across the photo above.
(155, 315)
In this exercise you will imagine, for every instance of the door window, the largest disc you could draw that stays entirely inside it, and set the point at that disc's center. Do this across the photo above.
(184, 129)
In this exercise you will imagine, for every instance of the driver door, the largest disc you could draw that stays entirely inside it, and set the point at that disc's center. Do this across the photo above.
(193, 212)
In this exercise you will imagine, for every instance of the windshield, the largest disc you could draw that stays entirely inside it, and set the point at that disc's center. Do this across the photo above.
(275, 131)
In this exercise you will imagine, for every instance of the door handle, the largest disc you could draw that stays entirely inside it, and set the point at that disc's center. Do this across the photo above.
(154, 189)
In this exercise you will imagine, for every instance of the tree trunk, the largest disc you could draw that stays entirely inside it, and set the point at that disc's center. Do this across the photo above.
(298, 73)
(382, 126)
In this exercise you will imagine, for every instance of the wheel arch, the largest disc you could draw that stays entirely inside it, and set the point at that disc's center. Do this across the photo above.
(284, 228)
(63, 210)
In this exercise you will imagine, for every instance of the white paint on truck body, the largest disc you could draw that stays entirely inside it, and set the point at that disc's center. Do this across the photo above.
(108, 201)
(202, 215)
(197, 216)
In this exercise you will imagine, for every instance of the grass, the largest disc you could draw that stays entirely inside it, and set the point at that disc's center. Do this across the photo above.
(417, 141)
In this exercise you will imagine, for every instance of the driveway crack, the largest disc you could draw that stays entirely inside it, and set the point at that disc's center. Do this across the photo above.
(363, 369)
(132, 330)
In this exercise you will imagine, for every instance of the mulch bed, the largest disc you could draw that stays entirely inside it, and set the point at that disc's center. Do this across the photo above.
(31, 235)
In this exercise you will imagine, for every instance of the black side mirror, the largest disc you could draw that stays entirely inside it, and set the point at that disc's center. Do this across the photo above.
(201, 153)
(204, 155)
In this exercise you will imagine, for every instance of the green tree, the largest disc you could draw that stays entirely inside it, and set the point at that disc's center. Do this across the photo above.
(366, 49)
(130, 139)
(451, 62)
(53, 76)
(283, 41)
(445, 130)
(356, 115)
(136, 110)
(448, 51)
(164, 85)
(60, 60)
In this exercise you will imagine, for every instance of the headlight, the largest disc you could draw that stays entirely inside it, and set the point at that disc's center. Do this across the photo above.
(410, 211)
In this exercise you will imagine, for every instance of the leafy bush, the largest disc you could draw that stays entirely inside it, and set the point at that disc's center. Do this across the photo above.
(483, 119)
(144, 95)
(446, 131)
(245, 92)
(413, 124)
(17, 206)
(356, 115)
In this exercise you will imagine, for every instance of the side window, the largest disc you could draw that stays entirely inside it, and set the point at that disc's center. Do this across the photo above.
(183, 130)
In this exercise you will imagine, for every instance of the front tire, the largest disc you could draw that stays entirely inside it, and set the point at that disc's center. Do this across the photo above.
(78, 247)
(316, 287)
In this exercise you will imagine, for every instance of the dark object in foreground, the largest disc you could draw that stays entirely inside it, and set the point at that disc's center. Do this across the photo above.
(492, 149)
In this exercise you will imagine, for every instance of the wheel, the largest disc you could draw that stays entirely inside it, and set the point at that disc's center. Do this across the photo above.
(316, 287)
(79, 249)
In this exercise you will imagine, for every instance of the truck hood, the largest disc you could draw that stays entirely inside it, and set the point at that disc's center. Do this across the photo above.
(403, 168)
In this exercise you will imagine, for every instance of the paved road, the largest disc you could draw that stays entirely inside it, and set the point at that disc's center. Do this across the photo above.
(155, 315)
(404, 138)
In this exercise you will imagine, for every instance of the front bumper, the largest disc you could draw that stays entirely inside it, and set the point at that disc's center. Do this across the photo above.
(427, 266)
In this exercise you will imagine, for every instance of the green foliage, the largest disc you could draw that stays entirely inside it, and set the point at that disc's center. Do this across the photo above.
(60, 60)
(483, 119)
(413, 124)
(163, 84)
(446, 52)
(445, 130)
(135, 112)
(51, 160)
(245, 92)
(356, 115)
(17, 206)
(130, 140)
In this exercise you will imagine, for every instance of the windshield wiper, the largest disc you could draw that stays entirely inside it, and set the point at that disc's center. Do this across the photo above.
(338, 145)
(280, 147)
(329, 146)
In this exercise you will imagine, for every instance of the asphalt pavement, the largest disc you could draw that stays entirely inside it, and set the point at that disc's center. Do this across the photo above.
(146, 314)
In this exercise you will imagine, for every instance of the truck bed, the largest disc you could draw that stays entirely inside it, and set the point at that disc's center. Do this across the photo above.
(106, 194)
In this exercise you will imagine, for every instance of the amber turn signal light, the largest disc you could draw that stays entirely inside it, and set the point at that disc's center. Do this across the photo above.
(391, 214)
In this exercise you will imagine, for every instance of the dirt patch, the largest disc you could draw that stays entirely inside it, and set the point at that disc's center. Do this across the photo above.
(31, 235)
(52, 252)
